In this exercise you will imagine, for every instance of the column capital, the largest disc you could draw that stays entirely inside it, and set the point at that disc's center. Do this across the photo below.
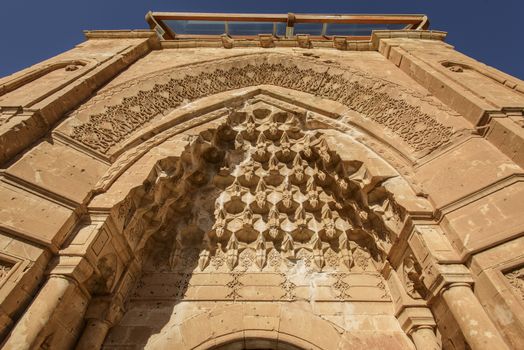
(105, 309)
(76, 268)
(439, 262)
(439, 277)
(455, 284)
(419, 327)
(414, 318)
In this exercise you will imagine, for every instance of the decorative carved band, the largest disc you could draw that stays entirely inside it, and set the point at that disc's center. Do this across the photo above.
(367, 96)
(246, 286)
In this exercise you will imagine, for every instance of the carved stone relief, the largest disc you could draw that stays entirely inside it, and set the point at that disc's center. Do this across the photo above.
(288, 289)
(368, 96)
(234, 287)
(260, 194)
(411, 275)
(341, 286)
(283, 190)
(516, 280)
(5, 268)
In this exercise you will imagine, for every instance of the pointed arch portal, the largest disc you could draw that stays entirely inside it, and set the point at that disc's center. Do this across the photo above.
(260, 201)
(257, 207)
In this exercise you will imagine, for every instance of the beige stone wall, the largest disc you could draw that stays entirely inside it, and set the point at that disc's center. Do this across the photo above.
(430, 140)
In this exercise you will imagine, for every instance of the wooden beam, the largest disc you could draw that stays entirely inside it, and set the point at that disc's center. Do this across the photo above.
(232, 17)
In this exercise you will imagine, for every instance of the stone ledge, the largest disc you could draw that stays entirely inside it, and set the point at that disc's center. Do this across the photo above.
(255, 43)
(384, 47)
(38, 121)
(349, 45)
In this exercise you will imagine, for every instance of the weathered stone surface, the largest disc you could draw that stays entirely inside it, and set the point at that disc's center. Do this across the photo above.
(257, 195)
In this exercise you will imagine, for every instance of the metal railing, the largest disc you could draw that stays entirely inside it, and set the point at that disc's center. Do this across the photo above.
(183, 25)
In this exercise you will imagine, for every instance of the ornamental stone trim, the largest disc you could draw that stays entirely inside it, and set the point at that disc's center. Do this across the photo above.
(368, 96)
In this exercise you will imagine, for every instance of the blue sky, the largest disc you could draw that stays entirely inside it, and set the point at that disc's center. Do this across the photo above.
(33, 30)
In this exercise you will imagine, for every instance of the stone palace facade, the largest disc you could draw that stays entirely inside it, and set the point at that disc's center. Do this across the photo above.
(162, 189)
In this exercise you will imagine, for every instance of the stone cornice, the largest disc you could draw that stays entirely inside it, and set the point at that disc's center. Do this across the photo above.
(40, 191)
(338, 42)
(350, 45)
(379, 35)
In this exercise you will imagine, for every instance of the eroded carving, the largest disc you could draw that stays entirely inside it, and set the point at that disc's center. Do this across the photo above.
(5, 268)
(259, 196)
(412, 275)
(102, 281)
(516, 280)
(367, 96)
(288, 289)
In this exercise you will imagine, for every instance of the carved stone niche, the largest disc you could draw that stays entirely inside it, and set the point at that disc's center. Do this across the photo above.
(258, 188)
(515, 279)
(5, 268)
(10, 269)
(410, 273)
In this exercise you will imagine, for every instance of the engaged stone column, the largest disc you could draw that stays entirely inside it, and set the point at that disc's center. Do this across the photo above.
(424, 338)
(103, 312)
(94, 334)
(446, 277)
(62, 286)
(477, 328)
(39, 313)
